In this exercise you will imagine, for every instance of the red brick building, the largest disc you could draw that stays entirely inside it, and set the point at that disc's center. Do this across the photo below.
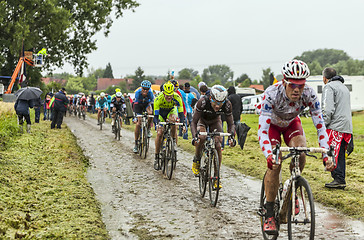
(52, 79)
(104, 83)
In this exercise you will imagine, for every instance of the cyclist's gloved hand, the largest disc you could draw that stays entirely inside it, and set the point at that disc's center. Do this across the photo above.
(232, 142)
(271, 161)
(329, 165)
(194, 141)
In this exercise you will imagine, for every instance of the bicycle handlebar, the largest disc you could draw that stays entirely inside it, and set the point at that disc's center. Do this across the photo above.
(304, 149)
(215, 134)
(170, 123)
(150, 116)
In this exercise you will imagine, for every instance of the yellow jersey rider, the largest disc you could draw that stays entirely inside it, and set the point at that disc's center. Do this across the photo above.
(167, 106)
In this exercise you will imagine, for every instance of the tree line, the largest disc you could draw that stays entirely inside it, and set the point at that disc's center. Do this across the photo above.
(317, 60)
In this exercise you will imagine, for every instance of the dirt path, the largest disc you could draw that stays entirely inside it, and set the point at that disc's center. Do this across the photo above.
(137, 202)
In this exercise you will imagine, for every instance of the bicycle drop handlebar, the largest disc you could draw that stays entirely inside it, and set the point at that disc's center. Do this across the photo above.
(297, 150)
(170, 123)
(215, 134)
(150, 116)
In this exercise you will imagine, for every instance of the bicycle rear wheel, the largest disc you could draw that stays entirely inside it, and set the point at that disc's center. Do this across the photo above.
(170, 158)
(302, 225)
(202, 177)
(214, 177)
(262, 212)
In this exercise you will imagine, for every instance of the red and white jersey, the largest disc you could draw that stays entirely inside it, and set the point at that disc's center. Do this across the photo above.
(277, 109)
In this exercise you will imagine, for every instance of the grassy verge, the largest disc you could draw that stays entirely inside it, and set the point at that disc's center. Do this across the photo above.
(43, 189)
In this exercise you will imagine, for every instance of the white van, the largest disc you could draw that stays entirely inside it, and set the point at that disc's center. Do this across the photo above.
(250, 103)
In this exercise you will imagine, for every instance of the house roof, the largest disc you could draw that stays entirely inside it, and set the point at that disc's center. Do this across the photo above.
(104, 83)
(257, 87)
(48, 80)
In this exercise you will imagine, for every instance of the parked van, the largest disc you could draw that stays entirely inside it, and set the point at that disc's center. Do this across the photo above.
(250, 103)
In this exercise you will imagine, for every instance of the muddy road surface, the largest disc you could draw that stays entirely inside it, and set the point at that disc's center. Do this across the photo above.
(138, 202)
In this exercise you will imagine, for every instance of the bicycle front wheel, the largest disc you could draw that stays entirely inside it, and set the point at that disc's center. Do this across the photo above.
(117, 129)
(170, 158)
(202, 177)
(214, 177)
(301, 223)
(145, 142)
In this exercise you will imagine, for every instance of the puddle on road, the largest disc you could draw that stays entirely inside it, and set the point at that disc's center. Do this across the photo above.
(138, 202)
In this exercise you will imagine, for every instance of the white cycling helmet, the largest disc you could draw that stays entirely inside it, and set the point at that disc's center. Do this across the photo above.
(295, 69)
(118, 94)
(102, 94)
(219, 93)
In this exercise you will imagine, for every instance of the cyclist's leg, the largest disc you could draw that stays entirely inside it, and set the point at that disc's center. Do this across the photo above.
(98, 114)
(113, 116)
(150, 112)
(201, 127)
(271, 184)
(138, 110)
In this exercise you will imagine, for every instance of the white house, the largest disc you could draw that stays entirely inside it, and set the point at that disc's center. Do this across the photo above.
(355, 84)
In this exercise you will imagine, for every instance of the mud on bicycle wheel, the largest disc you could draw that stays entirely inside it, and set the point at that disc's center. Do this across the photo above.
(262, 212)
(302, 227)
(214, 177)
(170, 158)
(117, 128)
(140, 142)
(202, 177)
(144, 142)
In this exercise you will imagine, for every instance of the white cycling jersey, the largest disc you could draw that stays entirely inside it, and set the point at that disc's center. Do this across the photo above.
(277, 109)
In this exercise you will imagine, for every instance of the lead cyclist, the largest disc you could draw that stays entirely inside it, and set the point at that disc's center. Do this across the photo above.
(279, 110)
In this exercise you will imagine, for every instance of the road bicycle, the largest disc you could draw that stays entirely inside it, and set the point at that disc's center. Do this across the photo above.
(210, 167)
(117, 126)
(168, 154)
(294, 203)
(101, 120)
(143, 140)
(82, 112)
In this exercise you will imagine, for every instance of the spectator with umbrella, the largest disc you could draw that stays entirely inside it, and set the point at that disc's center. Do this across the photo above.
(24, 101)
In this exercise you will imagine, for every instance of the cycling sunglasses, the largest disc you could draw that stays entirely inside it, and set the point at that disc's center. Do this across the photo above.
(293, 85)
(217, 102)
(145, 89)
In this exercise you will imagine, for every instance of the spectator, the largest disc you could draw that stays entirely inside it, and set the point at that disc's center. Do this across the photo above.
(22, 110)
(188, 98)
(37, 103)
(47, 111)
(336, 111)
(59, 108)
(236, 103)
(92, 103)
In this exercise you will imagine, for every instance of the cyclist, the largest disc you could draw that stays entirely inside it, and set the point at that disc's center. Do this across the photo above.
(279, 110)
(117, 104)
(143, 102)
(82, 101)
(179, 92)
(167, 105)
(207, 114)
(101, 105)
(108, 98)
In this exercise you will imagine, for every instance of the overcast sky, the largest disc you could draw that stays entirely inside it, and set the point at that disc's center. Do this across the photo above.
(247, 35)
